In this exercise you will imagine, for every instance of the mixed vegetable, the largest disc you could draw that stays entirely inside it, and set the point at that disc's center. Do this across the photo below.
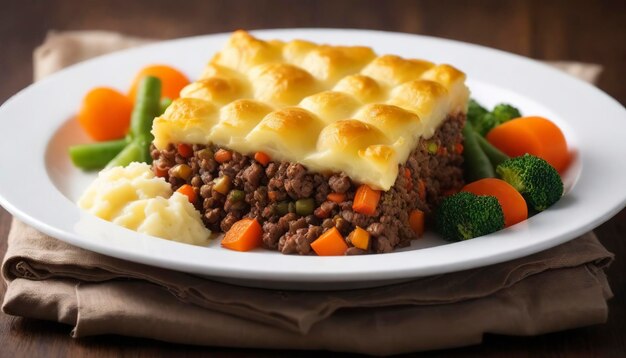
(121, 124)
(512, 165)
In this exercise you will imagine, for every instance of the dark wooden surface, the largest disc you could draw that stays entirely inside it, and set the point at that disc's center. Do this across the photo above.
(590, 31)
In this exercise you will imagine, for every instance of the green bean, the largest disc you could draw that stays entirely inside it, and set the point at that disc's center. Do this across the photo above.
(95, 155)
(494, 154)
(130, 153)
(476, 163)
(305, 206)
(147, 106)
(292, 207)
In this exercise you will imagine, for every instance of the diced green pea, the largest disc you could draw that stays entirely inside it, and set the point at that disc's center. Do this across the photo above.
(432, 147)
(236, 195)
(282, 208)
(305, 206)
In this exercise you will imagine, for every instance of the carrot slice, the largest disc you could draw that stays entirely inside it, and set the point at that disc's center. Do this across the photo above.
(222, 156)
(330, 243)
(366, 200)
(172, 80)
(262, 158)
(360, 238)
(336, 197)
(244, 235)
(105, 114)
(416, 221)
(533, 135)
(512, 203)
(188, 190)
(185, 150)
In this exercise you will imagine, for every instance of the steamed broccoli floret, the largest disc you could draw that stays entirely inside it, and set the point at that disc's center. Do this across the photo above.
(475, 111)
(464, 215)
(505, 112)
(485, 123)
(537, 181)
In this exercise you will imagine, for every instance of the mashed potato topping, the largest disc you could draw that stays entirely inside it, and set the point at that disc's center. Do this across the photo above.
(135, 198)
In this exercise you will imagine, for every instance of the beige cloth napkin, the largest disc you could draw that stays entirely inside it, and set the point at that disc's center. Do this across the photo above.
(561, 288)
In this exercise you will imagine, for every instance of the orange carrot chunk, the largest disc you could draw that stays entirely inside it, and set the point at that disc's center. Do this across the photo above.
(416, 221)
(244, 235)
(188, 191)
(330, 243)
(172, 80)
(360, 238)
(336, 197)
(223, 156)
(105, 114)
(262, 158)
(533, 135)
(366, 200)
(185, 150)
(512, 202)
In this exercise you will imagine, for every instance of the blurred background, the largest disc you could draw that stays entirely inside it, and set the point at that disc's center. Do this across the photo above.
(575, 30)
(589, 31)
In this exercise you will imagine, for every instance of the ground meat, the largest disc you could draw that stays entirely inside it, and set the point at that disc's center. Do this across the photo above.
(339, 183)
(270, 192)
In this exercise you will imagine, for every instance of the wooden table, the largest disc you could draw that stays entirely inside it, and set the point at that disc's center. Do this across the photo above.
(590, 31)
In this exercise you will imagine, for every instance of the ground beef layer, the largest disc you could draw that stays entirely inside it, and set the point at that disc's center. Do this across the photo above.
(291, 203)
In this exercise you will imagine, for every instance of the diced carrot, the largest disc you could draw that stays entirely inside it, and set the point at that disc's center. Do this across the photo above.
(172, 80)
(458, 148)
(409, 179)
(512, 203)
(360, 238)
(185, 150)
(336, 197)
(262, 158)
(244, 235)
(189, 191)
(366, 200)
(533, 135)
(223, 155)
(105, 114)
(416, 221)
(421, 189)
(330, 243)
(272, 195)
(160, 172)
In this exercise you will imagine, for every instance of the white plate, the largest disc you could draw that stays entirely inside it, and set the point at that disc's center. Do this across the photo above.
(39, 185)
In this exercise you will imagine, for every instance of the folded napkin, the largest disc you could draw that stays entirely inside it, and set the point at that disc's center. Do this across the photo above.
(561, 288)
